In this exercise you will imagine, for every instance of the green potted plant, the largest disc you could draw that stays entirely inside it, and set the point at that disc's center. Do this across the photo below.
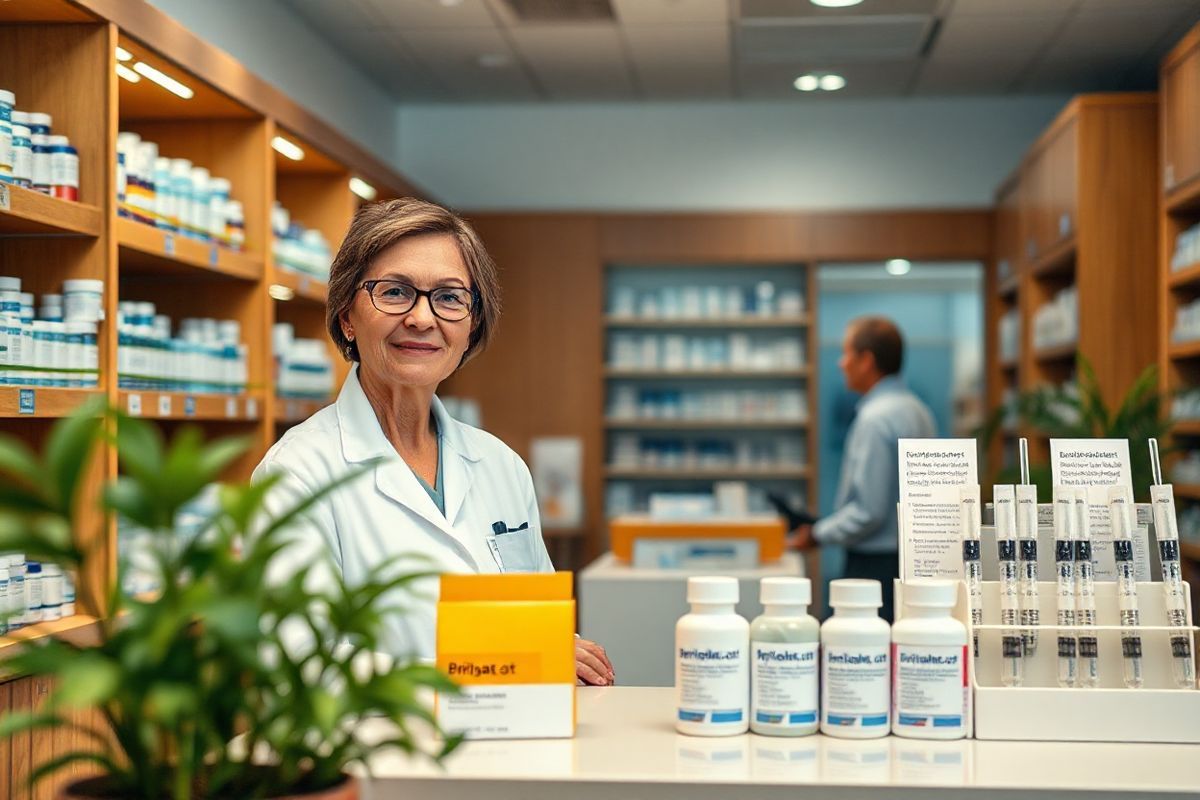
(1080, 412)
(202, 694)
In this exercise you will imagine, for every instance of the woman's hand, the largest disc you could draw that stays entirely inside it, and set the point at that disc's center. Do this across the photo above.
(592, 665)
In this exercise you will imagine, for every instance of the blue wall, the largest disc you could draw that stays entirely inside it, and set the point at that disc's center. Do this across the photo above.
(934, 325)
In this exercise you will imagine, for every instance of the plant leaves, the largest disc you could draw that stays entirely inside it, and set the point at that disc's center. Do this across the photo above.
(87, 680)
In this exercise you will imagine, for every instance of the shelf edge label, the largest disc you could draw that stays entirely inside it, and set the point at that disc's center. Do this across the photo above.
(26, 401)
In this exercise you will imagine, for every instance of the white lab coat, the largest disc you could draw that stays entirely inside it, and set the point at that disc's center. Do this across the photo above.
(387, 513)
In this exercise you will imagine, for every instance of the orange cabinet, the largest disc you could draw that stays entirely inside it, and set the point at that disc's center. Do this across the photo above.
(1050, 195)
(1180, 90)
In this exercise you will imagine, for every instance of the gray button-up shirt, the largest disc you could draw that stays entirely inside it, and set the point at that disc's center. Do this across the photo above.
(864, 519)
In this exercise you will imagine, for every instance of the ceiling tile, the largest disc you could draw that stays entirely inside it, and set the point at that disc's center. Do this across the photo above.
(429, 13)
(324, 15)
(676, 44)
(1013, 7)
(576, 62)
(971, 75)
(460, 47)
(792, 9)
(1114, 36)
(880, 39)
(862, 80)
(985, 35)
(684, 12)
(1057, 73)
(1157, 6)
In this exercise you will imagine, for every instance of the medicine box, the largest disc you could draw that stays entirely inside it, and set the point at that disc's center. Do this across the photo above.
(509, 641)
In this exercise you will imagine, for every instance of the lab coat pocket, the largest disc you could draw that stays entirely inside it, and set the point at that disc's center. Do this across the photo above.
(517, 550)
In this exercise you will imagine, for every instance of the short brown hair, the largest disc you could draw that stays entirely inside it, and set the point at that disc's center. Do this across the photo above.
(378, 226)
(880, 337)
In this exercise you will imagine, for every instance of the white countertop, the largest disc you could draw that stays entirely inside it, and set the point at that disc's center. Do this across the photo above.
(626, 747)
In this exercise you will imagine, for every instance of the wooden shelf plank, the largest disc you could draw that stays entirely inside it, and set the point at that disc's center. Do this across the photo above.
(290, 411)
(1058, 261)
(1189, 550)
(1186, 427)
(1008, 287)
(711, 322)
(1189, 490)
(703, 424)
(148, 249)
(612, 372)
(1184, 350)
(47, 402)
(1183, 199)
(1009, 364)
(27, 211)
(150, 404)
(1062, 352)
(1184, 277)
(304, 288)
(642, 473)
(79, 629)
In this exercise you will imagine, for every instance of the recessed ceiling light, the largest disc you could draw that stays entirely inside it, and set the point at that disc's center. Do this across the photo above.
(164, 80)
(287, 148)
(123, 54)
(363, 189)
(128, 74)
(450, 3)
(807, 83)
(832, 82)
(836, 3)
(898, 266)
(278, 291)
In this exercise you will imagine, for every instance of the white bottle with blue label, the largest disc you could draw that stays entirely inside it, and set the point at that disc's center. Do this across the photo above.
(855, 663)
(784, 658)
(930, 693)
(712, 661)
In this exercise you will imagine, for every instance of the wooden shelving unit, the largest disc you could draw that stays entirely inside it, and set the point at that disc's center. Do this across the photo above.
(706, 374)
(143, 249)
(248, 407)
(702, 474)
(227, 127)
(725, 323)
(704, 424)
(1179, 201)
(289, 411)
(1079, 211)
(696, 333)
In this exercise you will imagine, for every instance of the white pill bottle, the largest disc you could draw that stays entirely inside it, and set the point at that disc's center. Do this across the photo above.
(784, 660)
(855, 663)
(712, 661)
(931, 695)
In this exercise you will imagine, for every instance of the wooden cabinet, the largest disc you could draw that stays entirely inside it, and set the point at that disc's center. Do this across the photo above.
(1179, 275)
(1180, 87)
(1082, 203)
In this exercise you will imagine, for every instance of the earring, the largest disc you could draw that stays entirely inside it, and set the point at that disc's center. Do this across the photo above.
(349, 337)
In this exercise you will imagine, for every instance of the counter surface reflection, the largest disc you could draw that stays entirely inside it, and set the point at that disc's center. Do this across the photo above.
(626, 747)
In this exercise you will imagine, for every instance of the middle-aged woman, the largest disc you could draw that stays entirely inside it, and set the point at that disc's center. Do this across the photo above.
(413, 296)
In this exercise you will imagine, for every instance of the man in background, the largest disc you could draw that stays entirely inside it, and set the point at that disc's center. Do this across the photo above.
(864, 516)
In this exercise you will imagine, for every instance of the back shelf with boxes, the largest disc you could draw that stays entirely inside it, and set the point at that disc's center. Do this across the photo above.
(709, 381)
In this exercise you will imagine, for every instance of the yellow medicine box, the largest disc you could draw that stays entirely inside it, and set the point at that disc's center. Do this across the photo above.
(509, 641)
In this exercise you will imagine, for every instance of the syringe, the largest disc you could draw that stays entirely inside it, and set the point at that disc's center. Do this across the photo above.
(1004, 498)
(1027, 534)
(1162, 499)
(969, 521)
(1120, 501)
(1064, 562)
(1085, 592)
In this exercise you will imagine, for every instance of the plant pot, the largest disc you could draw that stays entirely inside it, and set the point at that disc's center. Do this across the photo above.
(93, 789)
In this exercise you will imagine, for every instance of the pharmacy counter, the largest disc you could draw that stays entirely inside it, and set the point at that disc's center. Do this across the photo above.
(625, 747)
(629, 610)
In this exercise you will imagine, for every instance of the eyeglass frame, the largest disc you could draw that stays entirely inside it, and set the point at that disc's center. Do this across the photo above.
(369, 286)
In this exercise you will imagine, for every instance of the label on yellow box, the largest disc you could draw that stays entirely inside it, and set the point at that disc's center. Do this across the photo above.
(509, 641)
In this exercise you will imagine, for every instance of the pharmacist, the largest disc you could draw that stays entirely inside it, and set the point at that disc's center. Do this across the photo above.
(413, 296)
(864, 516)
